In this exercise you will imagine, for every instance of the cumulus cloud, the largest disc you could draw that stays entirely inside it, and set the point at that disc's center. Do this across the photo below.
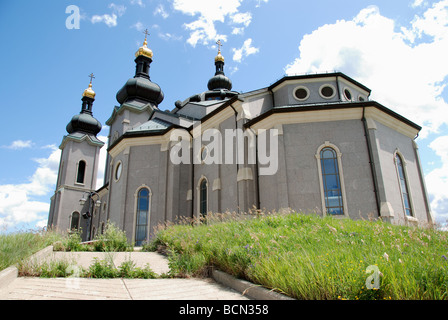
(138, 2)
(20, 144)
(21, 203)
(437, 180)
(160, 10)
(18, 203)
(244, 51)
(208, 12)
(102, 162)
(405, 73)
(111, 20)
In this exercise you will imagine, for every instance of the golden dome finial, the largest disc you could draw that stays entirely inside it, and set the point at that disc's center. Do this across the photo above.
(219, 57)
(144, 50)
(89, 91)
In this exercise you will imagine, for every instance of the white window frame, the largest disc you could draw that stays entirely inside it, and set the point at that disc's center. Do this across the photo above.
(327, 85)
(405, 173)
(134, 224)
(327, 144)
(198, 190)
(301, 87)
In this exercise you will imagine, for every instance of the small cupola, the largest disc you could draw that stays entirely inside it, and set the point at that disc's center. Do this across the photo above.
(141, 87)
(84, 121)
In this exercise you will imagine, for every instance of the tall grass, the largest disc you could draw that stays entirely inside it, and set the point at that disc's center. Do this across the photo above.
(17, 246)
(309, 257)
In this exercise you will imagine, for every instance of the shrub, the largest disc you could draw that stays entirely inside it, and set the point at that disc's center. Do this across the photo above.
(113, 239)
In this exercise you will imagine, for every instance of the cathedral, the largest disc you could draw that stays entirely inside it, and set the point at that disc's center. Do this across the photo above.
(312, 143)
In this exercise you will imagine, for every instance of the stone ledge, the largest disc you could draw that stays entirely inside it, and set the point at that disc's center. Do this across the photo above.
(9, 274)
(247, 288)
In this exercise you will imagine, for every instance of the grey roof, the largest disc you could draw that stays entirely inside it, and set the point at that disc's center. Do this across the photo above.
(152, 125)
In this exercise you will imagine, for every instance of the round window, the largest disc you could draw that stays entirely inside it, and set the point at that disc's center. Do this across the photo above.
(361, 98)
(347, 94)
(327, 91)
(301, 93)
(118, 170)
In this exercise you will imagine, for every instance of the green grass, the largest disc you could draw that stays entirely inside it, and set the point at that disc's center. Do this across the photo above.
(18, 246)
(309, 257)
(101, 269)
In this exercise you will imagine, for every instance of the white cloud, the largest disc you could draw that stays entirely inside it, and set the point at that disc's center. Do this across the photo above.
(208, 12)
(160, 10)
(244, 51)
(109, 20)
(405, 75)
(437, 180)
(102, 162)
(118, 9)
(139, 26)
(20, 144)
(168, 36)
(417, 3)
(237, 30)
(138, 2)
(17, 202)
(242, 18)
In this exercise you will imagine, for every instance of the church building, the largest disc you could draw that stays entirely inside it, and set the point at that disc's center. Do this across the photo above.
(313, 143)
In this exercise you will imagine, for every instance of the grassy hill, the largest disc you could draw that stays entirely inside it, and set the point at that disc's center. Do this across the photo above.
(309, 257)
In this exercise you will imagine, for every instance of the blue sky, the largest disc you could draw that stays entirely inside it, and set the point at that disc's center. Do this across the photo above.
(396, 48)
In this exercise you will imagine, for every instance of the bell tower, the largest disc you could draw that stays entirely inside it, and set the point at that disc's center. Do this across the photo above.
(78, 169)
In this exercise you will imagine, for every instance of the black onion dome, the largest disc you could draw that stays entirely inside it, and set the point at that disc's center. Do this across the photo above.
(219, 81)
(140, 87)
(84, 122)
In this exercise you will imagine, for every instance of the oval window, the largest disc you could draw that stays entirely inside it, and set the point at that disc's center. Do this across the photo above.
(348, 94)
(204, 153)
(301, 93)
(327, 91)
(118, 171)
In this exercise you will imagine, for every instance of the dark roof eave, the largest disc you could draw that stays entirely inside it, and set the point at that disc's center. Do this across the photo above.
(348, 105)
(144, 133)
(319, 75)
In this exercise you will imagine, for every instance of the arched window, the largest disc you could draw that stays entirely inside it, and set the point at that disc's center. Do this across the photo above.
(81, 172)
(203, 197)
(331, 182)
(142, 217)
(74, 221)
(403, 185)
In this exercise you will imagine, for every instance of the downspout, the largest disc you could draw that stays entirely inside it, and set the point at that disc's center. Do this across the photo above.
(257, 171)
(236, 156)
(337, 88)
(273, 98)
(192, 174)
(372, 164)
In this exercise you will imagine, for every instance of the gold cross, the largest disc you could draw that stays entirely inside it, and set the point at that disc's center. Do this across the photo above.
(219, 43)
(91, 76)
(146, 32)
